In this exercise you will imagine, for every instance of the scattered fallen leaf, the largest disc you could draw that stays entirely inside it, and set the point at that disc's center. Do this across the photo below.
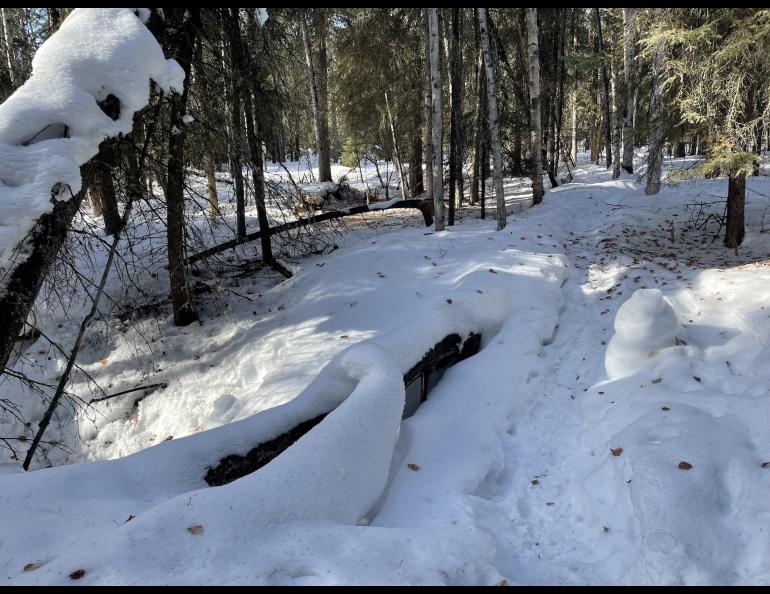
(493, 271)
(414, 467)
(130, 517)
(33, 566)
(449, 301)
(103, 361)
(657, 381)
(197, 529)
(535, 481)
(504, 583)
(605, 529)
(665, 408)
(77, 574)
(696, 378)
(616, 451)
(344, 336)
(683, 465)
(765, 464)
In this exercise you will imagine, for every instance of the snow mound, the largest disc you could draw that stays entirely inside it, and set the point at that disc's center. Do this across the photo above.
(644, 325)
(53, 123)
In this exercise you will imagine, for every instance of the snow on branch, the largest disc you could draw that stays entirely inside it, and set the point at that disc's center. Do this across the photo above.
(53, 124)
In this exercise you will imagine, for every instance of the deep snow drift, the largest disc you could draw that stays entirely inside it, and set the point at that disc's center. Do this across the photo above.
(612, 429)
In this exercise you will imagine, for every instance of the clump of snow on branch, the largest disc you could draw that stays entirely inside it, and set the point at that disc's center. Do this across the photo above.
(53, 124)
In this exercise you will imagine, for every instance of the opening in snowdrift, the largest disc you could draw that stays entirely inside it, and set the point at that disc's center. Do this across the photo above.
(418, 383)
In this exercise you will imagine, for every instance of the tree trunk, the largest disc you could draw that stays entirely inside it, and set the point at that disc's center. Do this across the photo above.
(536, 159)
(456, 152)
(184, 25)
(480, 108)
(655, 154)
(324, 155)
(492, 118)
(23, 282)
(103, 199)
(8, 39)
(618, 119)
(694, 145)
(629, 69)
(236, 121)
(415, 163)
(427, 112)
(606, 122)
(736, 200)
(211, 186)
(320, 127)
(396, 152)
(573, 101)
(436, 117)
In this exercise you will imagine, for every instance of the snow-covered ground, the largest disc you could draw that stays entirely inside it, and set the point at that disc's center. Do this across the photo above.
(563, 453)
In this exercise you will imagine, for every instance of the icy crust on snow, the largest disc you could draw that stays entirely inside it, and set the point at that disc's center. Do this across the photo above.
(644, 325)
(53, 124)
(332, 477)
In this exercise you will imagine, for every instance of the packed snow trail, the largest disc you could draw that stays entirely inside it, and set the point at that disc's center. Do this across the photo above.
(526, 465)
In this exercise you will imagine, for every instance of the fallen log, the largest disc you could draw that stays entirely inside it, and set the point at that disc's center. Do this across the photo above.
(418, 382)
(327, 216)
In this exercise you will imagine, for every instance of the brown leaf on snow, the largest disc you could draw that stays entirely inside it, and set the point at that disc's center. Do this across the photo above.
(103, 361)
(657, 381)
(683, 465)
(33, 566)
(449, 301)
(616, 451)
(493, 271)
(197, 529)
(504, 583)
(535, 482)
(77, 574)
(765, 464)
(413, 467)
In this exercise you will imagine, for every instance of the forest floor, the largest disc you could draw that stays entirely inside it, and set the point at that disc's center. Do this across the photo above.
(532, 462)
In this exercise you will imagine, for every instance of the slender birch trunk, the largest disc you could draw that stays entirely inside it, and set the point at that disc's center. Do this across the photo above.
(427, 110)
(536, 153)
(629, 69)
(436, 117)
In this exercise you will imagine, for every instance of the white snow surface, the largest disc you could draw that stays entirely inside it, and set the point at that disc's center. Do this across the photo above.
(53, 124)
(543, 459)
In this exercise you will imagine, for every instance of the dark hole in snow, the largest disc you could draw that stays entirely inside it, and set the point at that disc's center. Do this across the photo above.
(50, 131)
(418, 381)
(110, 106)
(424, 376)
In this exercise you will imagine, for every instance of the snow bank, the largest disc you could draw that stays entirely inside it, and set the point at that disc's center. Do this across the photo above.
(53, 124)
(644, 325)
(331, 478)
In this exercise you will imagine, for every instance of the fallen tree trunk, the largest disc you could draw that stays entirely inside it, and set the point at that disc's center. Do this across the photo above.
(327, 216)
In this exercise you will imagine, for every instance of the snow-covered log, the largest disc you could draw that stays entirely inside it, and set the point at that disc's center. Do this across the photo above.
(52, 126)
